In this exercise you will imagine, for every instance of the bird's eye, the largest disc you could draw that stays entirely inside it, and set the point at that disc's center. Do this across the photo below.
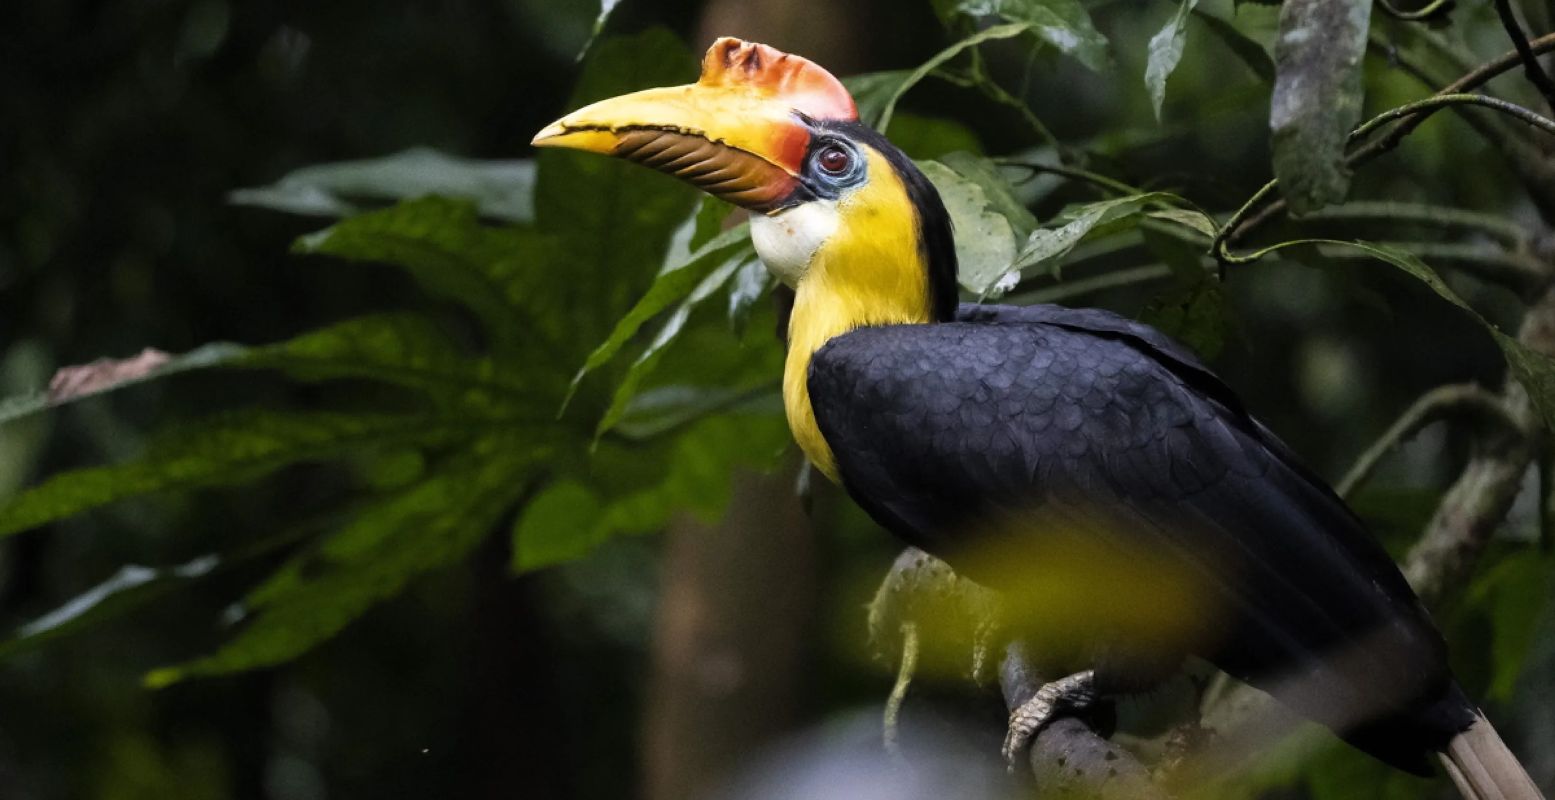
(834, 160)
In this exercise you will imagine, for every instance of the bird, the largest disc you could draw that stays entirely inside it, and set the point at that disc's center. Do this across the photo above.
(1034, 447)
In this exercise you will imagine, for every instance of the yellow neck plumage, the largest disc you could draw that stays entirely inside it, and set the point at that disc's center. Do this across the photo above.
(870, 271)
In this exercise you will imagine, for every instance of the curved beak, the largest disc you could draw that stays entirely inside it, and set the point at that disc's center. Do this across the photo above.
(740, 133)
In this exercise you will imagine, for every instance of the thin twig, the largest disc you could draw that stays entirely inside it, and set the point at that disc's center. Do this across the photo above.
(1514, 270)
(1479, 500)
(1244, 220)
(1430, 407)
(1430, 105)
(1072, 173)
(1496, 226)
(1407, 115)
(1107, 280)
(1418, 15)
(1531, 66)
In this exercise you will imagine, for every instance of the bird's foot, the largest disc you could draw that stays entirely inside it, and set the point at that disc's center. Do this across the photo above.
(1063, 696)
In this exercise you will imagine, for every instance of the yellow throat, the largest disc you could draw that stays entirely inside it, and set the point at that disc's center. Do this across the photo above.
(871, 271)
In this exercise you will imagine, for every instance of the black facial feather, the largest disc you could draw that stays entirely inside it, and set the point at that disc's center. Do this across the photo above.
(935, 240)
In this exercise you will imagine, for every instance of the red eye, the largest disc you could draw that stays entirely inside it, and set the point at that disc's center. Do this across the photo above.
(835, 160)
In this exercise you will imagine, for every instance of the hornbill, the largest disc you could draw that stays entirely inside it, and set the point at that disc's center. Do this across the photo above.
(1040, 446)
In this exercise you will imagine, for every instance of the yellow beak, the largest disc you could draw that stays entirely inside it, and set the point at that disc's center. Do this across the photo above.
(741, 132)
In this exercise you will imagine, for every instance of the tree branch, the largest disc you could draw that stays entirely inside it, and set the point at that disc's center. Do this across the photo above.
(1535, 71)
(1432, 406)
(1067, 757)
(1533, 167)
(1483, 493)
(1421, 14)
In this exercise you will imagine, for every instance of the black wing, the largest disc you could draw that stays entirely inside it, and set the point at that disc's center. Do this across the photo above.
(1039, 411)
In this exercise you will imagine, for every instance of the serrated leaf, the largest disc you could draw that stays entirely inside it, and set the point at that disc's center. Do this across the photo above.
(442, 244)
(991, 34)
(690, 471)
(985, 242)
(105, 375)
(1064, 24)
(227, 449)
(1165, 50)
(674, 283)
(1318, 91)
(428, 527)
(501, 190)
(408, 350)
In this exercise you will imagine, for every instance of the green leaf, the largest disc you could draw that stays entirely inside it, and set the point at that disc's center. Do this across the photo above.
(874, 91)
(431, 526)
(749, 285)
(912, 79)
(408, 350)
(1534, 370)
(931, 137)
(501, 190)
(1196, 221)
(985, 243)
(612, 220)
(560, 524)
(1165, 51)
(998, 189)
(674, 283)
(442, 244)
(645, 363)
(1064, 24)
(1248, 50)
(662, 409)
(1318, 91)
(227, 449)
(708, 221)
(1514, 593)
(1048, 246)
(131, 587)
(689, 471)
(105, 375)
(606, 7)
(1341, 772)
(1194, 314)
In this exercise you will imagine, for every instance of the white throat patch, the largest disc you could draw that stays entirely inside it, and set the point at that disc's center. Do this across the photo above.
(787, 241)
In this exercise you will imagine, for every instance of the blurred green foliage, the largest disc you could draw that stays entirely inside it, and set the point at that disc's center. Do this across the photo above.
(569, 349)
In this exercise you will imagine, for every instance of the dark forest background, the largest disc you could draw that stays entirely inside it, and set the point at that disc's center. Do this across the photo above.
(651, 616)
